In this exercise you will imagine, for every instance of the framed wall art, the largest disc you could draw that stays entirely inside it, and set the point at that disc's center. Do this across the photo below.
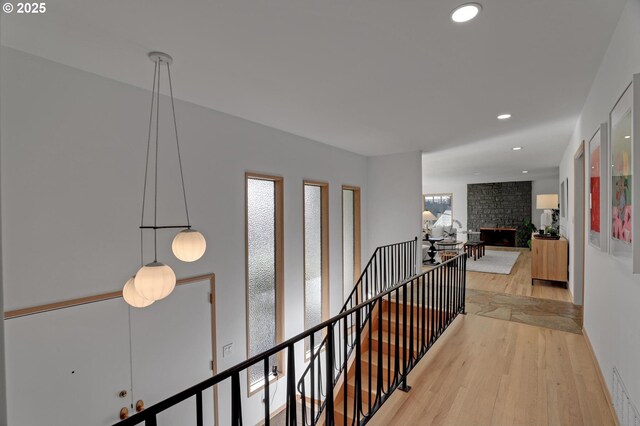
(563, 198)
(598, 222)
(624, 185)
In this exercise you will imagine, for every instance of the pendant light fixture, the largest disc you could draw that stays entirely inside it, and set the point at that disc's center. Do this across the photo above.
(156, 280)
(132, 297)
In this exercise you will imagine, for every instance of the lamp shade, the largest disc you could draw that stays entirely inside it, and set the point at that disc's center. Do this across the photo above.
(547, 201)
(155, 281)
(132, 297)
(427, 215)
(189, 245)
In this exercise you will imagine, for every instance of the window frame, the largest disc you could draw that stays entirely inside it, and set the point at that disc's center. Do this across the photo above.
(357, 235)
(279, 244)
(324, 244)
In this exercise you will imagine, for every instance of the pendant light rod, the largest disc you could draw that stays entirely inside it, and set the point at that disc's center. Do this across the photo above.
(167, 227)
(175, 127)
(146, 166)
(155, 200)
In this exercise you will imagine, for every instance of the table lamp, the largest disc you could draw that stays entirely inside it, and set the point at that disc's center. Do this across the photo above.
(546, 202)
(427, 217)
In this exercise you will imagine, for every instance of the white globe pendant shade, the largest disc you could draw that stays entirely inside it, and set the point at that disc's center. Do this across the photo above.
(155, 281)
(189, 245)
(132, 297)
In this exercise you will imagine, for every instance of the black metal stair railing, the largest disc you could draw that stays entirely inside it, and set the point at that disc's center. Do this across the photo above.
(415, 312)
(389, 265)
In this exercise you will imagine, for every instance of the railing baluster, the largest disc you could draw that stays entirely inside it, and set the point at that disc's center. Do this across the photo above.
(291, 417)
(441, 302)
(447, 276)
(329, 380)
(236, 401)
(379, 384)
(397, 340)
(267, 408)
(464, 286)
(357, 398)
(411, 348)
(313, 378)
(370, 312)
(404, 386)
(153, 421)
(423, 331)
(389, 306)
(199, 420)
(432, 305)
(345, 385)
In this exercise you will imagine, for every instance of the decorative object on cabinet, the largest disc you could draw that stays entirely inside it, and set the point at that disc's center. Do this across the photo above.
(156, 280)
(548, 203)
(549, 259)
(598, 159)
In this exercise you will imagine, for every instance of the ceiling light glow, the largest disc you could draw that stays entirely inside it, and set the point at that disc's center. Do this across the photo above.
(517, 148)
(525, 171)
(465, 12)
(628, 137)
(504, 116)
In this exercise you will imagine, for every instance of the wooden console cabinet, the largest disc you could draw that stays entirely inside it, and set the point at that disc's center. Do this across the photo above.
(550, 260)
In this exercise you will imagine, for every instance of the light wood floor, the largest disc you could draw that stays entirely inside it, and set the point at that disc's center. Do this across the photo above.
(485, 371)
(518, 282)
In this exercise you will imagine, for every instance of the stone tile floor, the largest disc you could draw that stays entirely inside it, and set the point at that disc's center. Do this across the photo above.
(556, 315)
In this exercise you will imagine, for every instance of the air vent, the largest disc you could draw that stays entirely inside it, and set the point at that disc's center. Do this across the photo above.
(625, 410)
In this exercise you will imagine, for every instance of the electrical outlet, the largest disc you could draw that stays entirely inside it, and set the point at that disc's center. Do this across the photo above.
(226, 350)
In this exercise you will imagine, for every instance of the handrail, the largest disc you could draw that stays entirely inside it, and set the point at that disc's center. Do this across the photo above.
(441, 290)
(389, 264)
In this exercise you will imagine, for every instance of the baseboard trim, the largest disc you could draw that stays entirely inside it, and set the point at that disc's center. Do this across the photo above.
(603, 382)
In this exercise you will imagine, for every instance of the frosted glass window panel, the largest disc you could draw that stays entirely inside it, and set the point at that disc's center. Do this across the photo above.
(261, 255)
(313, 257)
(348, 248)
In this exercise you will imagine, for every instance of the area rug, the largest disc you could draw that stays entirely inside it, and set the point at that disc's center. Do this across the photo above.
(494, 262)
(556, 315)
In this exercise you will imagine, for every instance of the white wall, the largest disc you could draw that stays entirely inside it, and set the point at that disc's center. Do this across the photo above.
(612, 292)
(3, 393)
(394, 205)
(73, 150)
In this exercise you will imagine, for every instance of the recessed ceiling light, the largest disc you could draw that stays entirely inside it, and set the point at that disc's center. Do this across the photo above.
(525, 171)
(517, 148)
(504, 116)
(628, 137)
(465, 12)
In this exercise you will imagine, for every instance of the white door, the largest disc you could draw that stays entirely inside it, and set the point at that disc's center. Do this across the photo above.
(171, 347)
(67, 367)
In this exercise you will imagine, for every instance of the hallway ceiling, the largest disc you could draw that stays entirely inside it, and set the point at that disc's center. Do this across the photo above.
(373, 77)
